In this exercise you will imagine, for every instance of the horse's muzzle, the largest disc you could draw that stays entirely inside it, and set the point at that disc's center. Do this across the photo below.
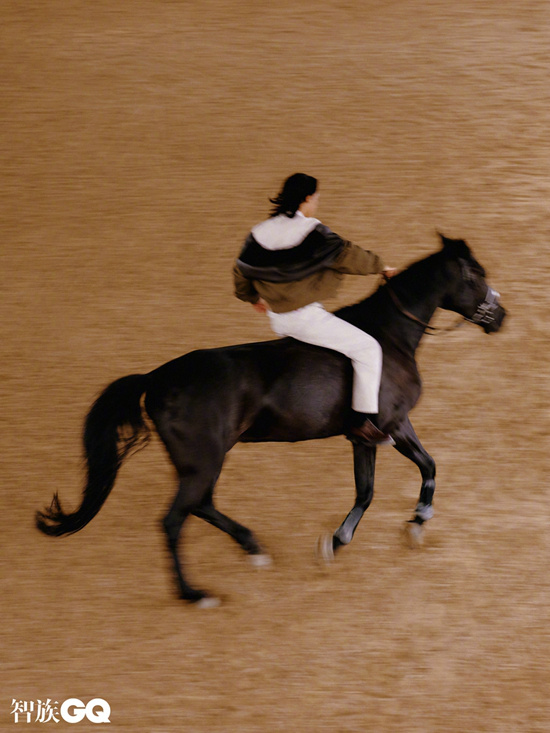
(489, 313)
(494, 321)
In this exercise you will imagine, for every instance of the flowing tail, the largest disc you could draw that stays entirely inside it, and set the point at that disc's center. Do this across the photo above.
(113, 428)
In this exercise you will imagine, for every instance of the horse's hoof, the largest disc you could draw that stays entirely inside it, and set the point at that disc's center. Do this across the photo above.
(261, 561)
(324, 551)
(413, 534)
(207, 602)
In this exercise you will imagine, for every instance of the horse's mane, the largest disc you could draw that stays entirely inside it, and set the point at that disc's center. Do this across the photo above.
(409, 283)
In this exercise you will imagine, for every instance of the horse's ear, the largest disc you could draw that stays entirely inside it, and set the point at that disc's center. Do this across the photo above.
(454, 247)
(444, 240)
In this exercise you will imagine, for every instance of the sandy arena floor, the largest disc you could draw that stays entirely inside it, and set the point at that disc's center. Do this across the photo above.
(139, 143)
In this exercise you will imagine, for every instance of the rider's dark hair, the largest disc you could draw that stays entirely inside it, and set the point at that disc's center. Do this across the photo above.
(294, 192)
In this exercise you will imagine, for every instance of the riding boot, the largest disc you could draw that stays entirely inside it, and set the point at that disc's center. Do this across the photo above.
(363, 430)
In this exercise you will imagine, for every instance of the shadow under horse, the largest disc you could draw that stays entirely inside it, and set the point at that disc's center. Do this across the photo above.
(281, 390)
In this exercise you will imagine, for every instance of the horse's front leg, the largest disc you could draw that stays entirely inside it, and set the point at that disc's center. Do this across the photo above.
(407, 443)
(364, 459)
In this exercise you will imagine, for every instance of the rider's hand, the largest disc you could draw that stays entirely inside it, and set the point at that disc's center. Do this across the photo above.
(389, 272)
(260, 306)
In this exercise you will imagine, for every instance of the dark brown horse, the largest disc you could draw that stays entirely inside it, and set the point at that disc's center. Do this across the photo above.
(282, 390)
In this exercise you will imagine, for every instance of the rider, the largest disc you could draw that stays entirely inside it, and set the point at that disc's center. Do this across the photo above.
(291, 262)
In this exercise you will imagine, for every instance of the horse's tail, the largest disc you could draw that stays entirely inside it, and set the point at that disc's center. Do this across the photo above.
(114, 426)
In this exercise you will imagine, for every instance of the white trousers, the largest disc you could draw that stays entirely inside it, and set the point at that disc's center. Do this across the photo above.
(315, 325)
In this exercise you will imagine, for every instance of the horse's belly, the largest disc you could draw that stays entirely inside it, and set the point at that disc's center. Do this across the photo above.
(300, 410)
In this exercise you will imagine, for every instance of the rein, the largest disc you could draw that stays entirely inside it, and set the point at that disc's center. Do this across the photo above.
(429, 330)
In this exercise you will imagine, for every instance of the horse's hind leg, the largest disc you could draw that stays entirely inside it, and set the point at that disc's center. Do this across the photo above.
(364, 459)
(196, 480)
(242, 535)
(408, 444)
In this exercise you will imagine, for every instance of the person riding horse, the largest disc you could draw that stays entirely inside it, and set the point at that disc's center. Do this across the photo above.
(203, 403)
(288, 265)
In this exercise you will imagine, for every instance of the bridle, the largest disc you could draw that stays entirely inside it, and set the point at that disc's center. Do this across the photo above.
(484, 315)
(486, 310)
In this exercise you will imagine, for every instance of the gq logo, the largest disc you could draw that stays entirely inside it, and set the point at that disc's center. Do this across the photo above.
(97, 710)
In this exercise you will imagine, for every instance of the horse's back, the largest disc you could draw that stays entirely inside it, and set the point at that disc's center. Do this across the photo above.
(271, 390)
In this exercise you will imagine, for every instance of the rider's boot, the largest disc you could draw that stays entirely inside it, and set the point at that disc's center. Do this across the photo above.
(363, 430)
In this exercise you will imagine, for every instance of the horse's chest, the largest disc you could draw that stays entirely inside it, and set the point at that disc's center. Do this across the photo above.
(401, 385)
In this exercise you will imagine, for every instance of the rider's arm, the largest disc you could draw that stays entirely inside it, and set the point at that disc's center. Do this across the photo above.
(244, 288)
(354, 260)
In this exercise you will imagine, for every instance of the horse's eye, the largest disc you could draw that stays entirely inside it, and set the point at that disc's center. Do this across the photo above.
(468, 273)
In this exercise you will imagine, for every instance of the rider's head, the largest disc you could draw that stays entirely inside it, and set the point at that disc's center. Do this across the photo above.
(299, 191)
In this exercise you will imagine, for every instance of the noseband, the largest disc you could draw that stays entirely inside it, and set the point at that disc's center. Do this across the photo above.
(486, 311)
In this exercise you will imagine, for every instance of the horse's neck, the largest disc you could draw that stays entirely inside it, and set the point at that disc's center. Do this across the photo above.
(400, 322)
(416, 308)
(409, 303)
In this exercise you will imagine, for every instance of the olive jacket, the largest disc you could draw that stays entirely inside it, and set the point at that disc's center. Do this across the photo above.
(292, 262)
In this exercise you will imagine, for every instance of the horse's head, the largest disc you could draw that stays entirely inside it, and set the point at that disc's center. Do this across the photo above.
(468, 292)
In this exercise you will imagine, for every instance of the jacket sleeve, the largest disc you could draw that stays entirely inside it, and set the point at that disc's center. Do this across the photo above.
(354, 260)
(244, 288)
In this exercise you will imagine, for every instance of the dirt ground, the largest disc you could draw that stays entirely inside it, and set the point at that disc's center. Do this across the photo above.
(139, 143)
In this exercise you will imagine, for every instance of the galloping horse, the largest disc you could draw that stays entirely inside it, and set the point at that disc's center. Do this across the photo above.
(281, 390)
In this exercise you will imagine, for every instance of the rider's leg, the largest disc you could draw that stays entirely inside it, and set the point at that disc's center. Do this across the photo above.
(314, 325)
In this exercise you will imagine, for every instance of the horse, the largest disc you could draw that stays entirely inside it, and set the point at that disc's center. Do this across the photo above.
(203, 403)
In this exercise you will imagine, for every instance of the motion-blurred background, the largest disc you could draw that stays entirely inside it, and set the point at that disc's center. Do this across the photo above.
(140, 141)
